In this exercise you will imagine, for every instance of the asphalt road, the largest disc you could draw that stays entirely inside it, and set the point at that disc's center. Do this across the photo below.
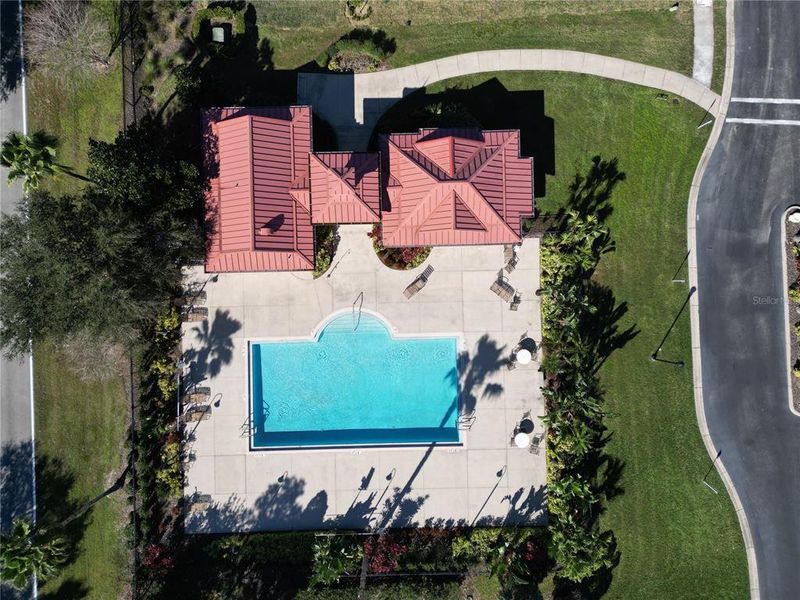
(753, 176)
(16, 456)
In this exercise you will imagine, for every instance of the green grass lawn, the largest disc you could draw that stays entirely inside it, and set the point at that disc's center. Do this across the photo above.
(84, 426)
(677, 539)
(720, 27)
(75, 109)
(640, 30)
(83, 109)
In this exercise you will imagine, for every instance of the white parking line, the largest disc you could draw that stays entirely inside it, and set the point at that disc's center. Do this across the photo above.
(762, 121)
(767, 100)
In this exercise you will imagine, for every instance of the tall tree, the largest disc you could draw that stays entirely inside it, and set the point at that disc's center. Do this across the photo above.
(26, 552)
(104, 261)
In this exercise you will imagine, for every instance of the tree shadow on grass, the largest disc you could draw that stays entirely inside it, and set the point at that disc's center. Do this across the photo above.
(71, 589)
(598, 336)
(241, 73)
(55, 502)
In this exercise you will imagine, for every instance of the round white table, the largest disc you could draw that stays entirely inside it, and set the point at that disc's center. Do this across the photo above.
(524, 356)
(522, 440)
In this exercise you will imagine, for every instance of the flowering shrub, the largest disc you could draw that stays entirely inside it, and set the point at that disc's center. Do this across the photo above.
(156, 558)
(397, 258)
(383, 553)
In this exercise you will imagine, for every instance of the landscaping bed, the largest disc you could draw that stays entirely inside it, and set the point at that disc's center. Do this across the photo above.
(400, 259)
(792, 258)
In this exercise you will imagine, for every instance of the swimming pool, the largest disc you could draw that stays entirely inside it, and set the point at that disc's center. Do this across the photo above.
(355, 384)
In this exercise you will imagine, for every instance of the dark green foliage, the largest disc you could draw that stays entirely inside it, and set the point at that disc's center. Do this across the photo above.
(369, 44)
(105, 261)
(334, 557)
(326, 242)
(578, 333)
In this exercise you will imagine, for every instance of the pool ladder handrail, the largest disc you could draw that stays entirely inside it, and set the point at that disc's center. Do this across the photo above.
(360, 301)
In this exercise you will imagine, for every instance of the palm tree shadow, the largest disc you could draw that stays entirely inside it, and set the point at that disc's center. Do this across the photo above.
(215, 346)
(474, 368)
(55, 502)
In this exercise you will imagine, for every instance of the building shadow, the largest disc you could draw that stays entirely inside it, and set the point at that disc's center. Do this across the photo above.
(242, 73)
(214, 339)
(489, 105)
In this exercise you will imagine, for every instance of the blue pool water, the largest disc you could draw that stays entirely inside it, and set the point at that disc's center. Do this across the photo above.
(354, 385)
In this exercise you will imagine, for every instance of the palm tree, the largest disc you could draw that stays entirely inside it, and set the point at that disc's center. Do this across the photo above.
(27, 552)
(32, 157)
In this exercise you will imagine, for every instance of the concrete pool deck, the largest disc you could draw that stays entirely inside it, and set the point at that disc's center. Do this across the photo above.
(485, 480)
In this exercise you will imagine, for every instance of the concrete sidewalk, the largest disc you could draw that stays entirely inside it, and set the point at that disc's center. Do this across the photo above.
(484, 480)
(703, 67)
(353, 103)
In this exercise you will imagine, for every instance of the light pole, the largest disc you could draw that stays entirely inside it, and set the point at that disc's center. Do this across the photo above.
(654, 355)
(713, 462)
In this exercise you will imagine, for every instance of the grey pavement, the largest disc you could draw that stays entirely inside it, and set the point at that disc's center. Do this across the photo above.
(483, 480)
(16, 457)
(753, 175)
(703, 15)
(353, 103)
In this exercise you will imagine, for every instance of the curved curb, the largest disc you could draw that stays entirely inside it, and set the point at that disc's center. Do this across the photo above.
(395, 83)
(786, 304)
(691, 240)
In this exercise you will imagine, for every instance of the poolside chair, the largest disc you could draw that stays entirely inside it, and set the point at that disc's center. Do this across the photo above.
(418, 283)
(189, 298)
(503, 289)
(512, 264)
(197, 413)
(466, 421)
(516, 301)
(199, 395)
(194, 314)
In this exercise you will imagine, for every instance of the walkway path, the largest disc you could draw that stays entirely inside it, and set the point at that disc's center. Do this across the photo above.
(703, 67)
(352, 104)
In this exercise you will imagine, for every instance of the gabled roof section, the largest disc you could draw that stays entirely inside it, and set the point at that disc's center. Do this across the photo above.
(258, 202)
(454, 187)
(345, 187)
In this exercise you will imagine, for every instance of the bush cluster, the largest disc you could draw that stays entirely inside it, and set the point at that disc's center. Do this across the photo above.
(397, 258)
(157, 444)
(327, 241)
(201, 24)
(361, 49)
(573, 398)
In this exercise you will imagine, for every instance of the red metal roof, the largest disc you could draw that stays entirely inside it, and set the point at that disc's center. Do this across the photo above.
(454, 187)
(345, 187)
(258, 202)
